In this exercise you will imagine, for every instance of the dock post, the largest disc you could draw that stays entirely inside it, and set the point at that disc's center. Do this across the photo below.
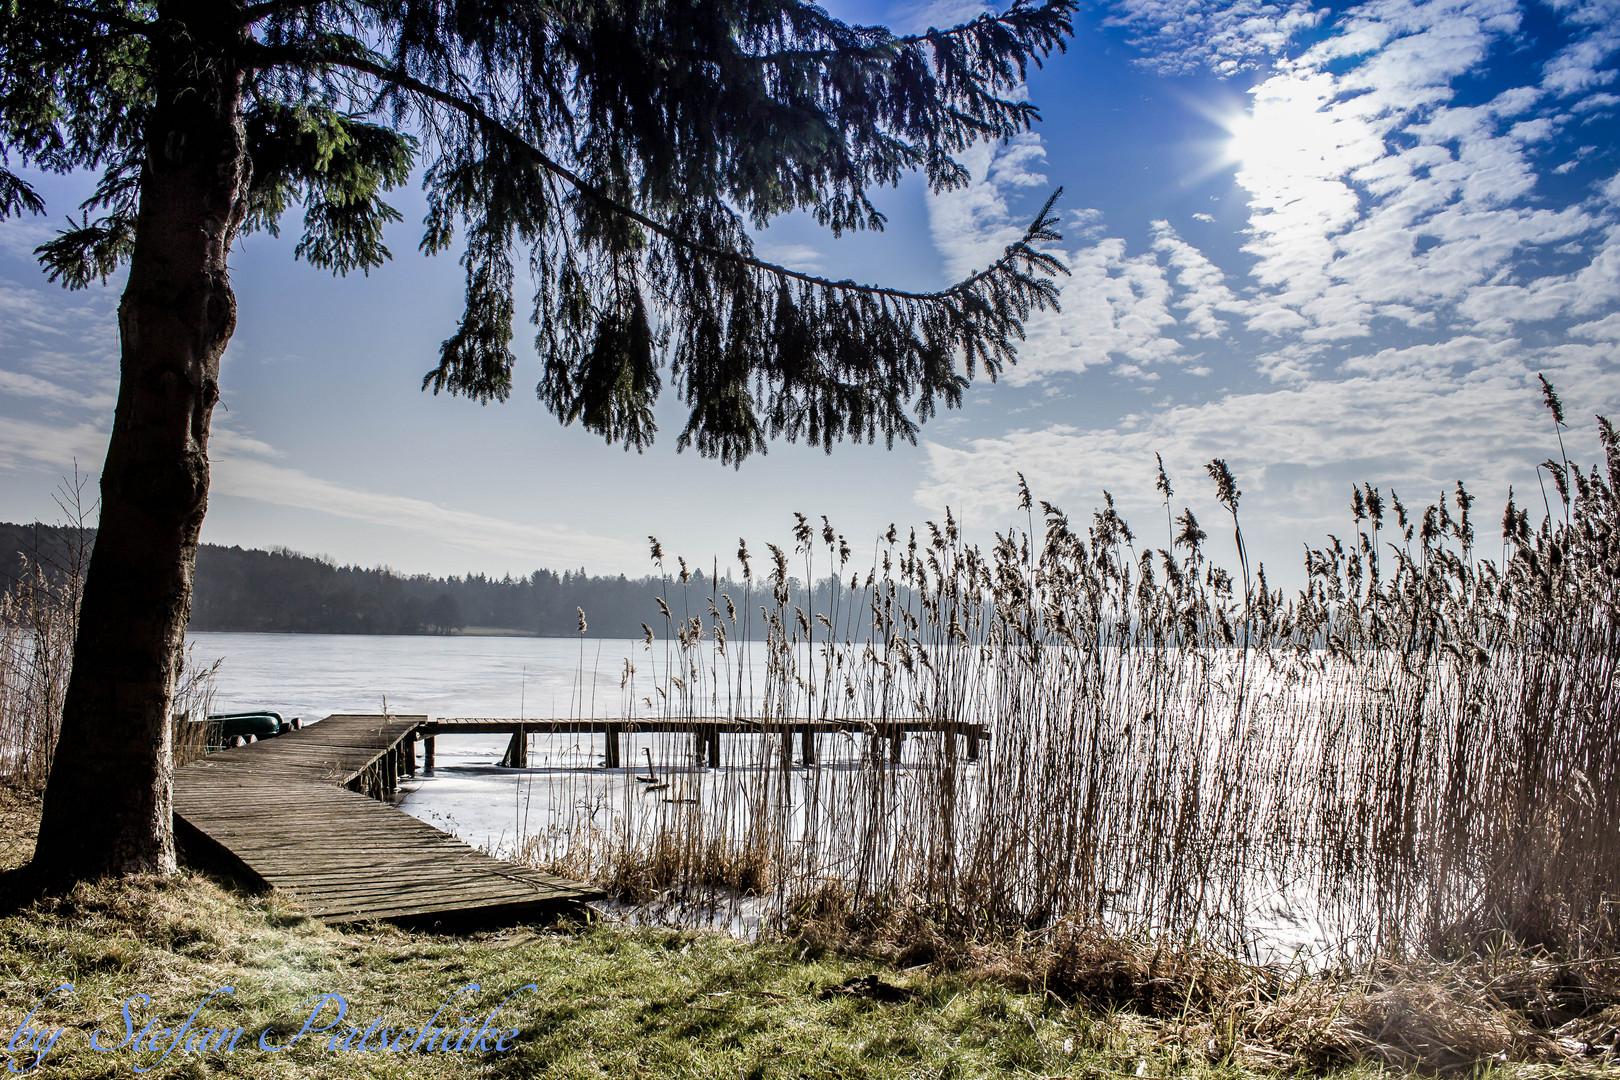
(610, 756)
(787, 746)
(973, 742)
(874, 748)
(427, 755)
(389, 773)
(807, 744)
(897, 742)
(714, 746)
(517, 751)
(408, 748)
(700, 743)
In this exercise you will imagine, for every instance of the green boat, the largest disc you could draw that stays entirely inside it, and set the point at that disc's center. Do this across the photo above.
(226, 728)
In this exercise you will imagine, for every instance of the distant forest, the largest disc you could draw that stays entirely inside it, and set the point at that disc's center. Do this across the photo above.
(281, 591)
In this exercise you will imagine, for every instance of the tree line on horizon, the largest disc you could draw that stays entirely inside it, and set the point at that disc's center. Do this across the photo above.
(284, 591)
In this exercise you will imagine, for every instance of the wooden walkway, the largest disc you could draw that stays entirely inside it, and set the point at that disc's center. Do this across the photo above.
(295, 812)
(706, 731)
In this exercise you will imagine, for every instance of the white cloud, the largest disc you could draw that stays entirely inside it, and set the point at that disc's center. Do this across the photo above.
(1178, 37)
(19, 236)
(28, 443)
(278, 485)
(1594, 102)
(917, 17)
(18, 384)
(972, 225)
(1604, 329)
(1201, 284)
(223, 441)
(1579, 65)
(801, 257)
(1115, 307)
(1418, 420)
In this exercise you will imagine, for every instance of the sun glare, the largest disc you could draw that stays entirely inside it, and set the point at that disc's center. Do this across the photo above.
(1290, 129)
(1258, 142)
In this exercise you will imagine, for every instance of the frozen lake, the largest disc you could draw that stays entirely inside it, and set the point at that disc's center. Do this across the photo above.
(315, 675)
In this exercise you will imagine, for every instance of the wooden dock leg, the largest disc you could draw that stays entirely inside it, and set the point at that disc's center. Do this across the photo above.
(409, 750)
(973, 743)
(517, 751)
(700, 744)
(787, 748)
(389, 773)
(610, 756)
(427, 755)
(807, 744)
(714, 747)
(897, 742)
(874, 749)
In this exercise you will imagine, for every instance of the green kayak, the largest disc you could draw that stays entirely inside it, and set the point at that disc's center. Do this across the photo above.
(226, 728)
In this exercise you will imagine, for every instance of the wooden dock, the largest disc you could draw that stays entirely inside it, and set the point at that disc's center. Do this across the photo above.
(706, 731)
(299, 812)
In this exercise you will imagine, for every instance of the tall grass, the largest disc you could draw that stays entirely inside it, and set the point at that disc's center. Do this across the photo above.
(1421, 747)
(36, 654)
(38, 621)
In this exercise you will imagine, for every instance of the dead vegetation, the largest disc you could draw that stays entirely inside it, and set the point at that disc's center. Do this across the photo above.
(1420, 750)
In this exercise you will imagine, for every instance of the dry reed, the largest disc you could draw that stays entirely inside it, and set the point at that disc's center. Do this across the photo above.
(1420, 748)
(38, 620)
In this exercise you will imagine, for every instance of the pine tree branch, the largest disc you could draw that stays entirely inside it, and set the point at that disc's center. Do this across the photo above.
(1009, 19)
(267, 8)
(493, 125)
(111, 19)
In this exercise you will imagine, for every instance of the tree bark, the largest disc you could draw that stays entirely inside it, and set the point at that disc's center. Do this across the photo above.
(107, 807)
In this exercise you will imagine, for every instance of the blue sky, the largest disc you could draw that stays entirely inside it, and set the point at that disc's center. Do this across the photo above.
(1329, 244)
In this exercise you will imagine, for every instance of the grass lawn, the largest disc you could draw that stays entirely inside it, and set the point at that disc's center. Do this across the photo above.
(608, 1001)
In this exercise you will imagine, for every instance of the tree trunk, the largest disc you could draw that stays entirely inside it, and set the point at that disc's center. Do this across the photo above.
(108, 801)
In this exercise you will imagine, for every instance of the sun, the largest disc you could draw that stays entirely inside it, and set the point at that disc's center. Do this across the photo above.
(1290, 130)
(1260, 142)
